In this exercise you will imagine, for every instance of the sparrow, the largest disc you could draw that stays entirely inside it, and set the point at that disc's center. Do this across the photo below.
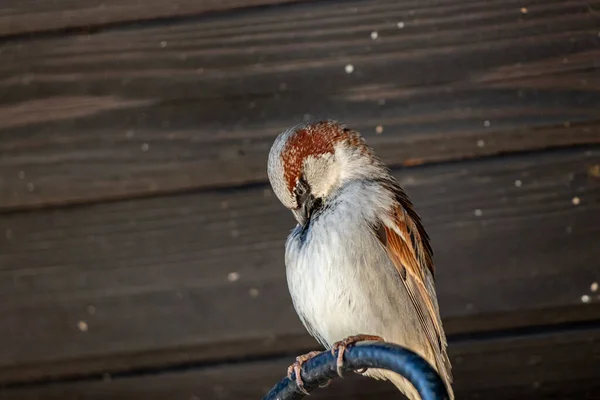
(359, 264)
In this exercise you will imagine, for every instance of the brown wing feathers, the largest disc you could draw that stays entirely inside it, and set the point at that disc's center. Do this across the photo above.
(408, 247)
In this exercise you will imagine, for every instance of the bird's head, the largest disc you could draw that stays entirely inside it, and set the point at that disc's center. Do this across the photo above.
(310, 163)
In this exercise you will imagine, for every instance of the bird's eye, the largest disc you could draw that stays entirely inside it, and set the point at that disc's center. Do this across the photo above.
(301, 187)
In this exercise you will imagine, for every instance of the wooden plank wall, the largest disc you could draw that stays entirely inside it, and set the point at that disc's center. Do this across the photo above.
(141, 248)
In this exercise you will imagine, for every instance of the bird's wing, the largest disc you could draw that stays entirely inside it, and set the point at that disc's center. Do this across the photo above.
(407, 245)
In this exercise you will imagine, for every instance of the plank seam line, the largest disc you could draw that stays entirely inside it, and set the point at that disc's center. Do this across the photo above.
(81, 29)
(149, 22)
(510, 333)
(224, 188)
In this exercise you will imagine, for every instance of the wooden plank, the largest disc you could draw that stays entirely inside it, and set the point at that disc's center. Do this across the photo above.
(557, 365)
(200, 276)
(18, 17)
(134, 112)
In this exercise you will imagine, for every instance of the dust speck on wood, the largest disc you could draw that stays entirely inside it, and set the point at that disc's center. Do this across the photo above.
(233, 276)
(82, 326)
(585, 298)
(594, 171)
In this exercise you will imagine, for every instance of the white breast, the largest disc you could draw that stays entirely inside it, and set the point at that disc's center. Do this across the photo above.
(340, 278)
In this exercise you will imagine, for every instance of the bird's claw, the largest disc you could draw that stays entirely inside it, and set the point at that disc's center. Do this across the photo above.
(296, 367)
(325, 384)
(341, 346)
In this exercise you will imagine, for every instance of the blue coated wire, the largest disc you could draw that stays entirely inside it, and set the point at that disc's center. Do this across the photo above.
(322, 368)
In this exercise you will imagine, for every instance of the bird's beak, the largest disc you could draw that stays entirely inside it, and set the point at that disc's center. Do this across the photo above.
(302, 214)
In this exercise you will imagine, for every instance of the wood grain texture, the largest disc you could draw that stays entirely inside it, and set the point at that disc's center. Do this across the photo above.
(176, 107)
(200, 276)
(544, 366)
(20, 17)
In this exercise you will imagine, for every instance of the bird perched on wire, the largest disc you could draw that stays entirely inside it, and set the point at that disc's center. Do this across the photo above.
(359, 263)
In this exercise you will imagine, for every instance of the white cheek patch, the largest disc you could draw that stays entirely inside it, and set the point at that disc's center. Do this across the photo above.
(322, 173)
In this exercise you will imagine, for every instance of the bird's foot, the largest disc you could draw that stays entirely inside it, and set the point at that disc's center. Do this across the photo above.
(343, 344)
(297, 367)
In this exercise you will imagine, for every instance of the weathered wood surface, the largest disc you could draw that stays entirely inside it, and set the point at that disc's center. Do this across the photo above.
(140, 242)
(200, 276)
(20, 17)
(557, 365)
(175, 107)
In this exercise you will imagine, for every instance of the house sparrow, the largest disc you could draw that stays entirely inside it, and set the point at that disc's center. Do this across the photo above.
(359, 263)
